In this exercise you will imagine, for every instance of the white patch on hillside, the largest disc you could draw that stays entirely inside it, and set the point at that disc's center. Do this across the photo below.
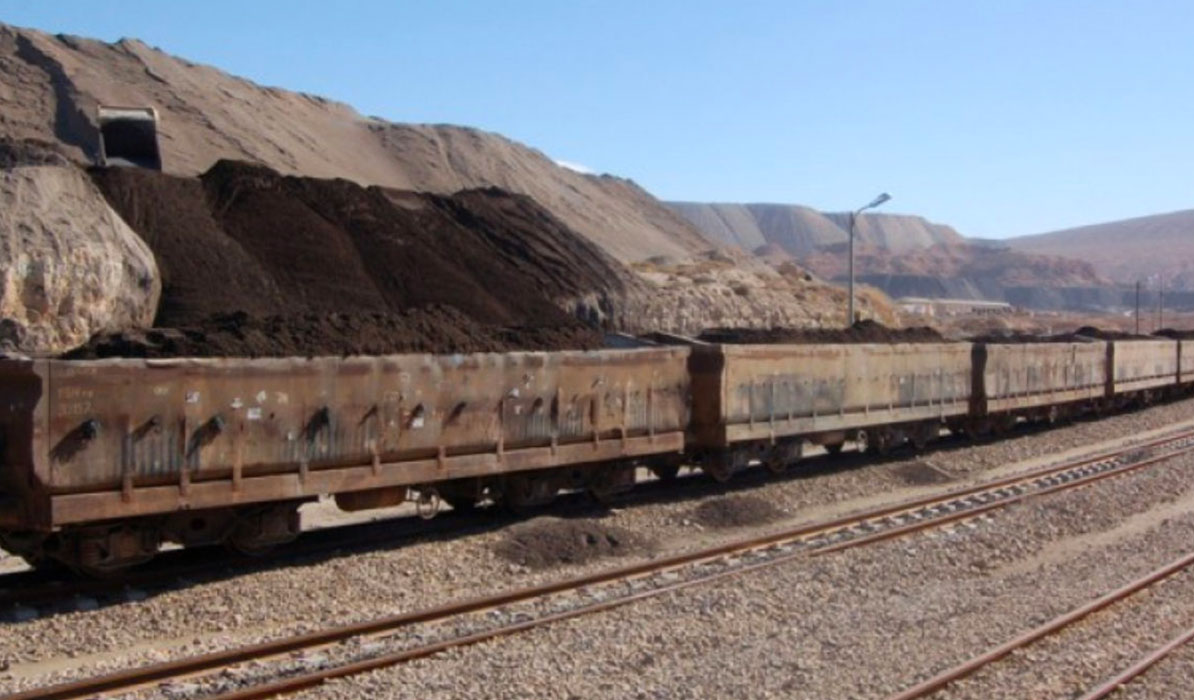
(576, 167)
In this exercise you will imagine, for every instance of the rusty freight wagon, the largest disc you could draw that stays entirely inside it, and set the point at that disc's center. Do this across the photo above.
(764, 401)
(1185, 361)
(103, 460)
(1036, 381)
(1144, 368)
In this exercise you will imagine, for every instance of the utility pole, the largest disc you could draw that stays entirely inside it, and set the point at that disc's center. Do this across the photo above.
(1161, 306)
(854, 216)
(1137, 307)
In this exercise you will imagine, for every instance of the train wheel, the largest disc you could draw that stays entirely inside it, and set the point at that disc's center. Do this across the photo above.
(720, 465)
(881, 443)
(522, 492)
(460, 504)
(834, 449)
(609, 481)
(464, 495)
(921, 435)
(258, 530)
(666, 472)
(103, 552)
(782, 456)
(29, 546)
(862, 441)
(977, 429)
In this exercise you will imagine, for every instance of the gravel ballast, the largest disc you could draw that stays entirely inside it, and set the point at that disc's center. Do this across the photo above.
(863, 623)
(302, 597)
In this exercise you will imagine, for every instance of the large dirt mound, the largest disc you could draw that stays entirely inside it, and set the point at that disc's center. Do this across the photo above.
(204, 270)
(330, 267)
(514, 230)
(433, 329)
(50, 86)
(1085, 334)
(736, 511)
(548, 542)
(69, 266)
(861, 332)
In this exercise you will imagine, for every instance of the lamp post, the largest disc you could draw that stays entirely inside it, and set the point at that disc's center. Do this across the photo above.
(853, 216)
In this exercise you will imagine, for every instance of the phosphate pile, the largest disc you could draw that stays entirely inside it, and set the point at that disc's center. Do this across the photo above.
(861, 332)
(1085, 334)
(257, 264)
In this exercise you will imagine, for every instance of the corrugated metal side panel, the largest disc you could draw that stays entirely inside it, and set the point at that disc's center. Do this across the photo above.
(1024, 375)
(127, 421)
(806, 381)
(1144, 364)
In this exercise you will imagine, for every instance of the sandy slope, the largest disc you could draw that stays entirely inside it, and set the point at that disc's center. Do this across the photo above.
(1160, 245)
(800, 230)
(50, 86)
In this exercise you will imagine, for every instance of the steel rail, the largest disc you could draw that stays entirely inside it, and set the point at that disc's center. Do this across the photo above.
(1129, 674)
(33, 588)
(140, 676)
(312, 679)
(966, 668)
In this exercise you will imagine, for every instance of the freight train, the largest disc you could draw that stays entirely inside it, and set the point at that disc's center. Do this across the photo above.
(102, 461)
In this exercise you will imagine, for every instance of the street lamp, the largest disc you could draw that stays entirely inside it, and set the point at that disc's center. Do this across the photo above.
(854, 215)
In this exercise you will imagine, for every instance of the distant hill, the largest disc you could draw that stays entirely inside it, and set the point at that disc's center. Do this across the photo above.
(903, 255)
(674, 278)
(1127, 250)
(801, 230)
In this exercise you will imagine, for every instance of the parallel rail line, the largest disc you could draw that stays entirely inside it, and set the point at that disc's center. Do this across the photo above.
(1148, 661)
(381, 642)
(972, 665)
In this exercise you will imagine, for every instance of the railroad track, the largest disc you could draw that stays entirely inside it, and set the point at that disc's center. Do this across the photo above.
(290, 664)
(1137, 669)
(974, 664)
(29, 594)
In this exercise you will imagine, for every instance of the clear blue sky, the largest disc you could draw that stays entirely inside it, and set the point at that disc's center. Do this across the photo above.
(1002, 117)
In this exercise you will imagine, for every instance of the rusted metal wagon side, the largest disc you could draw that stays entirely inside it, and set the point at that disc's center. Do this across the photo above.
(763, 401)
(1185, 362)
(108, 457)
(1142, 369)
(1038, 380)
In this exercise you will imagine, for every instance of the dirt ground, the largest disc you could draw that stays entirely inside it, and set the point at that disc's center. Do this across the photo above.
(736, 511)
(544, 543)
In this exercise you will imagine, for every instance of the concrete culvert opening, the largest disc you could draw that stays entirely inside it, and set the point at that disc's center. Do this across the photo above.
(736, 511)
(546, 542)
